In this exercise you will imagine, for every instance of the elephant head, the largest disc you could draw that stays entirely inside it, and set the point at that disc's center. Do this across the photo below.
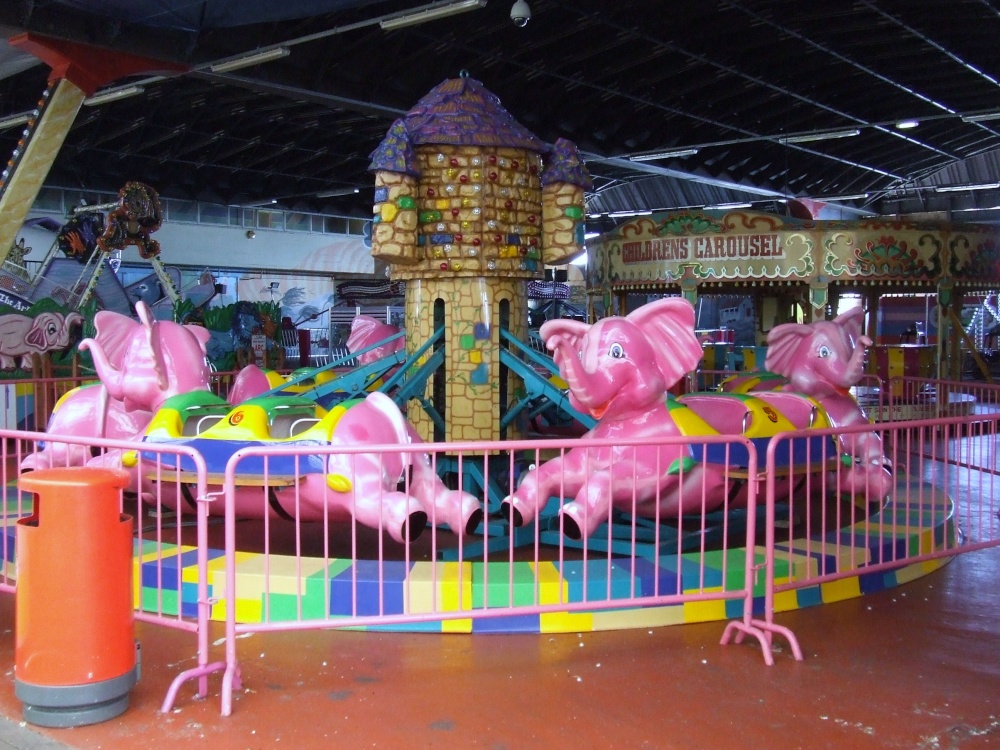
(143, 363)
(820, 358)
(620, 366)
(365, 331)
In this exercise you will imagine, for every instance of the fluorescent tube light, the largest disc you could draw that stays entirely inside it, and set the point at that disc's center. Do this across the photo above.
(983, 117)
(113, 95)
(15, 120)
(854, 197)
(723, 206)
(829, 135)
(907, 124)
(430, 13)
(275, 53)
(335, 193)
(621, 214)
(664, 154)
(962, 188)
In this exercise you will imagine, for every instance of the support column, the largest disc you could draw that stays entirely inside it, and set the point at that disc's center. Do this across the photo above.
(78, 70)
(35, 153)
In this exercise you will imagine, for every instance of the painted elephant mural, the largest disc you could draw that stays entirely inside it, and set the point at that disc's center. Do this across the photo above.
(22, 336)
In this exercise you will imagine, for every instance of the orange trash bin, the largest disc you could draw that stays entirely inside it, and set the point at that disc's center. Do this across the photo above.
(75, 654)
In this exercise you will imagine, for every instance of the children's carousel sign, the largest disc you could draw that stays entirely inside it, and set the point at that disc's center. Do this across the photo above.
(704, 247)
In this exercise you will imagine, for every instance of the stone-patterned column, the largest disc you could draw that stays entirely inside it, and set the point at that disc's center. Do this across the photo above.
(394, 238)
(472, 321)
(562, 222)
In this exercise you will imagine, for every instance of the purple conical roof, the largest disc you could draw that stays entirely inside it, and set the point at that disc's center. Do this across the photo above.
(563, 164)
(457, 112)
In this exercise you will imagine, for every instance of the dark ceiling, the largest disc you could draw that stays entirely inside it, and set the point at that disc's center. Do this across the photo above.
(619, 77)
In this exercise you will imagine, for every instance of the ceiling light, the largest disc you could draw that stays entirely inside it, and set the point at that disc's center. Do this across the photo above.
(854, 197)
(335, 193)
(621, 214)
(983, 117)
(15, 120)
(959, 188)
(724, 206)
(829, 135)
(113, 95)
(430, 13)
(275, 53)
(907, 124)
(664, 154)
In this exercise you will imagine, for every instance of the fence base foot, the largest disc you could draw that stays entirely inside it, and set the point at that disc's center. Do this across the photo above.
(764, 633)
(190, 674)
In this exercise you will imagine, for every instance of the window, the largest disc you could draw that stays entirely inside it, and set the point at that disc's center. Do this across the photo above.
(212, 213)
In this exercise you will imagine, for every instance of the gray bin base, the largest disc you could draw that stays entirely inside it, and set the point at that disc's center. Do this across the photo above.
(61, 706)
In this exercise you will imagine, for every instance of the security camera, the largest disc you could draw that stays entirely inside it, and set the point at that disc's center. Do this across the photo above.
(520, 13)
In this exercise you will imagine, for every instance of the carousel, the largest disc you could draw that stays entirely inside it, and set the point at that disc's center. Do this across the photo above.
(783, 269)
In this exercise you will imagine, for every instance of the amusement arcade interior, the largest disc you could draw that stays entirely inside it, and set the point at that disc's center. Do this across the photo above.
(507, 196)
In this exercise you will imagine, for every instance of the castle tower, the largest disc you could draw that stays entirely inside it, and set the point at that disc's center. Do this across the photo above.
(469, 206)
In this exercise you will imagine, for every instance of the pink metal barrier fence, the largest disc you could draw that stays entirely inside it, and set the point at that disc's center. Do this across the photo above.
(280, 572)
(162, 535)
(632, 572)
(830, 547)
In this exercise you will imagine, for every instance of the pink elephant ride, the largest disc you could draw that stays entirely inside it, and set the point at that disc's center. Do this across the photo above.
(140, 365)
(148, 367)
(366, 332)
(396, 491)
(824, 360)
(619, 370)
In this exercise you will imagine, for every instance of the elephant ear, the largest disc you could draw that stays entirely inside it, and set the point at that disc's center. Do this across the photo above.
(562, 329)
(669, 326)
(782, 343)
(850, 323)
(202, 334)
(362, 330)
(114, 335)
(153, 341)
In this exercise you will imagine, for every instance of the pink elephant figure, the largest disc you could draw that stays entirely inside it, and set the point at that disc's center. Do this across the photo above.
(824, 359)
(619, 370)
(22, 336)
(365, 331)
(369, 486)
(140, 364)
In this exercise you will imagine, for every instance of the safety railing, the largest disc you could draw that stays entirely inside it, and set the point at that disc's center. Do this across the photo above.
(304, 538)
(336, 561)
(835, 535)
(171, 574)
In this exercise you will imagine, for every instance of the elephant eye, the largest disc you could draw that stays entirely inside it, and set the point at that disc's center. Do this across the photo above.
(824, 352)
(617, 351)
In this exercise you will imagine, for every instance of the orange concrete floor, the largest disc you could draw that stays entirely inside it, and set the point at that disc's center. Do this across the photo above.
(913, 667)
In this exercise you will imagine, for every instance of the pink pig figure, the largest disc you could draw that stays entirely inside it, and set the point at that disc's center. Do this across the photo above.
(619, 370)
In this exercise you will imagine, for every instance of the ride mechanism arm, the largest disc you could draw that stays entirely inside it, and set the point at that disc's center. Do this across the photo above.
(537, 385)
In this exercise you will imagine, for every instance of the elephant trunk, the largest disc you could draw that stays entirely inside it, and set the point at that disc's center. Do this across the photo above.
(112, 378)
(571, 370)
(851, 374)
